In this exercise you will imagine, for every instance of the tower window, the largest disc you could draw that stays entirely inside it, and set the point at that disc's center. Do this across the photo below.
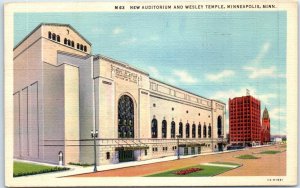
(53, 36)
(84, 48)
(81, 47)
(58, 38)
(77, 45)
(107, 155)
(69, 43)
(72, 43)
(49, 35)
(65, 41)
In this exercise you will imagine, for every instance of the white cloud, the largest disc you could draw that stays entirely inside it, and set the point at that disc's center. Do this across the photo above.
(262, 53)
(129, 41)
(277, 114)
(215, 77)
(184, 76)
(261, 72)
(175, 77)
(267, 97)
(117, 30)
(154, 72)
(225, 95)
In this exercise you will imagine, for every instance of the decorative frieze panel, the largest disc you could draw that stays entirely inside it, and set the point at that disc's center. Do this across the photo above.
(124, 74)
(179, 94)
(163, 89)
(219, 106)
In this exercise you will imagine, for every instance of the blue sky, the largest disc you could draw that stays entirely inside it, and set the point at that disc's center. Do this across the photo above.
(214, 54)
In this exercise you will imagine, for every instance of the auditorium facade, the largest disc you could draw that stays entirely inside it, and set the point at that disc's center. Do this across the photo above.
(62, 92)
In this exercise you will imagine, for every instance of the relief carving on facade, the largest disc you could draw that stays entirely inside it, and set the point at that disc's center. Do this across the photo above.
(124, 74)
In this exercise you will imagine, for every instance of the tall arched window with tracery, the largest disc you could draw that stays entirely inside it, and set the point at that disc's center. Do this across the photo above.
(199, 130)
(187, 130)
(204, 131)
(154, 128)
(164, 129)
(173, 129)
(193, 131)
(125, 117)
(219, 126)
(180, 129)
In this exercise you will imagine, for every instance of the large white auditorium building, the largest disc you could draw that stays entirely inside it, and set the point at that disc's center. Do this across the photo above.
(62, 92)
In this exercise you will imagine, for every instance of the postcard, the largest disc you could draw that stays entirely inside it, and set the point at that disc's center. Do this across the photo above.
(151, 93)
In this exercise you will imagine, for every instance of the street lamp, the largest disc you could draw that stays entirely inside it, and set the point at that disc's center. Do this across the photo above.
(178, 136)
(94, 135)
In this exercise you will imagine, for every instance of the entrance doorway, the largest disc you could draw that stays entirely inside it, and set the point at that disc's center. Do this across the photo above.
(60, 158)
(186, 151)
(220, 147)
(199, 149)
(125, 156)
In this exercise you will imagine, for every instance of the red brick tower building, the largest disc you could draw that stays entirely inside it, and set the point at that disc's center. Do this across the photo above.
(265, 128)
(244, 120)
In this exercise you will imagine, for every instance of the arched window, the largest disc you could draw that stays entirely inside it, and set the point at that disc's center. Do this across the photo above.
(154, 128)
(81, 47)
(84, 48)
(72, 43)
(164, 129)
(65, 41)
(49, 35)
(180, 130)
(69, 42)
(199, 130)
(187, 130)
(209, 131)
(53, 36)
(193, 131)
(172, 129)
(77, 45)
(219, 126)
(58, 38)
(204, 131)
(125, 117)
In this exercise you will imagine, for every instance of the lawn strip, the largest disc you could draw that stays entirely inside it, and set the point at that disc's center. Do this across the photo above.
(25, 169)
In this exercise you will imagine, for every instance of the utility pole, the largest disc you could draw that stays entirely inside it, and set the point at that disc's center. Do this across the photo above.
(94, 135)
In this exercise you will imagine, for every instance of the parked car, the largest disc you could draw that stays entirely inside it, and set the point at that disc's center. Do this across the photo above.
(234, 147)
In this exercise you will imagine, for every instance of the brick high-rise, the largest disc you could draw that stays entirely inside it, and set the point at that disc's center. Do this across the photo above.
(244, 120)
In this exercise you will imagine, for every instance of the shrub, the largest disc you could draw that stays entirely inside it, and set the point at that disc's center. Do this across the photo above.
(46, 170)
(80, 164)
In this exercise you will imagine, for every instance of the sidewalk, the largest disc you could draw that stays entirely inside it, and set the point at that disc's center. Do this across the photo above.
(75, 170)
